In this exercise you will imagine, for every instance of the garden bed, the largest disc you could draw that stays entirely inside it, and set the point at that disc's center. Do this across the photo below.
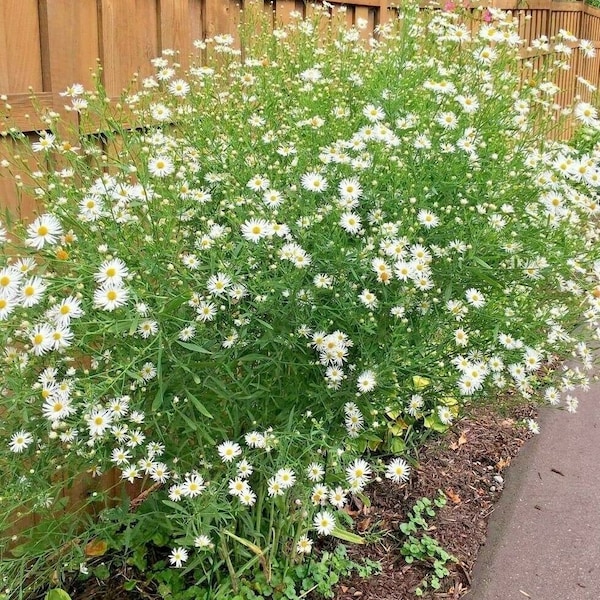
(468, 465)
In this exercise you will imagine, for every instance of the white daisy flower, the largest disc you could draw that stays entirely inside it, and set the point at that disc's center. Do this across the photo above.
(110, 297)
(275, 488)
(398, 470)
(160, 166)
(206, 311)
(475, 297)
(179, 88)
(359, 472)
(193, 485)
(366, 381)
(178, 556)
(32, 292)
(112, 272)
(46, 229)
(445, 415)
(286, 477)
(247, 497)
(258, 183)
(41, 339)
(313, 182)
(304, 545)
(8, 303)
(19, 441)
(228, 451)
(324, 522)
(175, 493)
(337, 497)
(99, 421)
(10, 279)
(203, 542)
(147, 328)
(369, 299)
(256, 229)
(351, 222)
(315, 472)
(218, 284)
(350, 188)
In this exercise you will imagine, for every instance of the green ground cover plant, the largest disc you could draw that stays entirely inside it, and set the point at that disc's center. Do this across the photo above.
(304, 258)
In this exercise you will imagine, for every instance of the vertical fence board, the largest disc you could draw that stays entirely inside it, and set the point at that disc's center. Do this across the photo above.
(175, 28)
(222, 16)
(283, 8)
(21, 206)
(20, 46)
(69, 42)
(196, 20)
(364, 14)
(128, 40)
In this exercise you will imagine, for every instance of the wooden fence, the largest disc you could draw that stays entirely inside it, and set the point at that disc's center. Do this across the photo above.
(47, 45)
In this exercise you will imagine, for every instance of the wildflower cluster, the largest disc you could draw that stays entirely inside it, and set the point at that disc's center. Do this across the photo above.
(298, 254)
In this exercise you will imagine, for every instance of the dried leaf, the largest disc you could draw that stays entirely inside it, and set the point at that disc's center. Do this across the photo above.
(502, 463)
(462, 439)
(454, 497)
(364, 524)
(96, 548)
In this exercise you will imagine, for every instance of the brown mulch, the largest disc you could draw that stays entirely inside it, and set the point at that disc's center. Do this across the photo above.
(467, 464)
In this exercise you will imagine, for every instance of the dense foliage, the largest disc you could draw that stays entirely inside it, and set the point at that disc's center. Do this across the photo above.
(319, 247)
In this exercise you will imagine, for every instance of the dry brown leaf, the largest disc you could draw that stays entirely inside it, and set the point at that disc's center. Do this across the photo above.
(364, 524)
(502, 463)
(350, 512)
(454, 497)
(96, 548)
(462, 439)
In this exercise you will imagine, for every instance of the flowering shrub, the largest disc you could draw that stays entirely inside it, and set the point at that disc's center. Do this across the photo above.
(324, 246)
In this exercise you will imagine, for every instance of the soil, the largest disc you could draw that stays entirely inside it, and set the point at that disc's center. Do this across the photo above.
(467, 464)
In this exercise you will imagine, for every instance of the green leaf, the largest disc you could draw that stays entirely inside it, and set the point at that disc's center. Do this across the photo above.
(431, 422)
(194, 347)
(397, 445)
(347, 536)
(57, 594)
(199, 406)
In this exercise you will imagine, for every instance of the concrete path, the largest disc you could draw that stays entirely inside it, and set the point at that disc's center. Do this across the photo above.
(544, 535)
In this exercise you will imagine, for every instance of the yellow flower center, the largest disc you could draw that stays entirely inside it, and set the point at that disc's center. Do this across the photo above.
(42, 230)
(112, 295)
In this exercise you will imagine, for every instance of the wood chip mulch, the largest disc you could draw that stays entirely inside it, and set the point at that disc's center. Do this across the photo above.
(467, 464)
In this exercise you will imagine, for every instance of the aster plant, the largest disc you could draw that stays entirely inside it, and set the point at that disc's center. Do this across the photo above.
(326, 246)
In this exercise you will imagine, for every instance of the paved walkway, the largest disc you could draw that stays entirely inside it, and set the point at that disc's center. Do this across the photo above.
(544, 535)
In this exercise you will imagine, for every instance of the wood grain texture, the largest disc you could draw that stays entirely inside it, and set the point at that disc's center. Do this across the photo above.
(129, 37)
(20, 52)
(175, 28)
(69, 41)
